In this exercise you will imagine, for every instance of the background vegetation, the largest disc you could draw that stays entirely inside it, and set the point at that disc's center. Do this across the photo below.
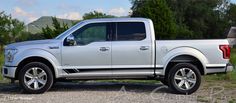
(185, 19)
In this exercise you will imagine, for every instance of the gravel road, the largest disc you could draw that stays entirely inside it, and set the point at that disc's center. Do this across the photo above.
(97, 92)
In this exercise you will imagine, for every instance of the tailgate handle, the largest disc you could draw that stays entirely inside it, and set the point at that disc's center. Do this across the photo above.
(144, 47)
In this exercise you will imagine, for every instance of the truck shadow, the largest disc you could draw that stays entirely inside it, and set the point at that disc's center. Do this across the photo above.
(92, 86)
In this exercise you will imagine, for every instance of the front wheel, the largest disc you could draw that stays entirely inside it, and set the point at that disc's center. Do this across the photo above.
(35, 78)
(184, 78)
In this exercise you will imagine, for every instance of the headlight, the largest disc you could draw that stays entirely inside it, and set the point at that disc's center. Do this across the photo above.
(9, 54)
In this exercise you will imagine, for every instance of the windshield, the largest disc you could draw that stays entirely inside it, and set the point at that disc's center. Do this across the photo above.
(68, 31)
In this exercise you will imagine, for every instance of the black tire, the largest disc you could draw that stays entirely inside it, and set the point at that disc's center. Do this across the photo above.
(173, 82)
(164, 82)
(49, 77)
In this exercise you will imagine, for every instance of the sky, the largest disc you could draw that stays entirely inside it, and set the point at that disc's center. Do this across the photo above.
(31, 10)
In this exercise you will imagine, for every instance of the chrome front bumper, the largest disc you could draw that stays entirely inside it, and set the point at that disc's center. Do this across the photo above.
(8, 71)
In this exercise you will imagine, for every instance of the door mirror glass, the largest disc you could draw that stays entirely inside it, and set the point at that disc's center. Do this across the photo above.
(70, 41)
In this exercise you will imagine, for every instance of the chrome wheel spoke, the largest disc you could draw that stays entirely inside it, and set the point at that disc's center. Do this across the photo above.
(182, 71)
(36, 85)
(177, 77)
(29, 75)
(181, 83)
(43, 82)
(42, 74)
(190, 73)
(30, 82)
(35, 71)
(187, 85)
(192, 81)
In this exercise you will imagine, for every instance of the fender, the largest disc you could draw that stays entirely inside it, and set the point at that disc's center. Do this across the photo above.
(184, 51)
(38, 53)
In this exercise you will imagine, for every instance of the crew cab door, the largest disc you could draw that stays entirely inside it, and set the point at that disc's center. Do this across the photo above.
(131, 49)
(232, 36)
(91, 52)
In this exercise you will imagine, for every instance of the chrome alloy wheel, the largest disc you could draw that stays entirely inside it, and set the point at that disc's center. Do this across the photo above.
(35, 78)
(185, 79)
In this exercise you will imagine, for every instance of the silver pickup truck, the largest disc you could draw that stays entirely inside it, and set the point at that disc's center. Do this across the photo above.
(115, 48)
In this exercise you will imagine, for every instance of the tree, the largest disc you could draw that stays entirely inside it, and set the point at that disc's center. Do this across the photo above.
(10, 29)
(231, 14)
(16, 30)
(205, 18)
(95, 14)
(161, 15)
(4, 20)
(57, 29)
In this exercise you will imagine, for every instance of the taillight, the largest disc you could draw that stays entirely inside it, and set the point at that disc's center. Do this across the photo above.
(226, 51)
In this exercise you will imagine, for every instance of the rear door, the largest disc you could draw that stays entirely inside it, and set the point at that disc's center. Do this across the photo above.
(131, 49)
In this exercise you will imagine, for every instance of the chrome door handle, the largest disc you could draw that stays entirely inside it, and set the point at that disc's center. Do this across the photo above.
(144, 47)
(104, 49)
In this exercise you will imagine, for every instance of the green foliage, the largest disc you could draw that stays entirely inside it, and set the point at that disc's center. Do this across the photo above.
(16, 30)
(11, 30)
(233, 57)
(4, 21)
(232, 14)
(57, 29)
(95, 14)
(161, 15)
(207, 19)
(185, 19)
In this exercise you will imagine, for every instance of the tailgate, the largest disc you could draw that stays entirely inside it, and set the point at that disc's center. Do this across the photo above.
(232, 36)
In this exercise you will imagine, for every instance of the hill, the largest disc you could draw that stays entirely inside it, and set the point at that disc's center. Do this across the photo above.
(37, 25)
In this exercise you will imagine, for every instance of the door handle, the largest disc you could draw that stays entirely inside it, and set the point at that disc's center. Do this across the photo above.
(104, 49)
(144, 47)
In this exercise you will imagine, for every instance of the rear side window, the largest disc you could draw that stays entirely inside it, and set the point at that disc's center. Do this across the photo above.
(130, 31)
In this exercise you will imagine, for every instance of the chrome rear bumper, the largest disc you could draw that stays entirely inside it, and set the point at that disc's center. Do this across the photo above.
(229, 67)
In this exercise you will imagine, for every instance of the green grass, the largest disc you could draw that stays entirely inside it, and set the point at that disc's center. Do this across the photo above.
(233, 57)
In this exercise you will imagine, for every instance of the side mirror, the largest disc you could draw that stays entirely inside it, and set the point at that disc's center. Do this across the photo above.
(70, 40)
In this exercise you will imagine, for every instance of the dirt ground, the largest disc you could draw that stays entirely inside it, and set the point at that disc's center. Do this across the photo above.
(102, 92)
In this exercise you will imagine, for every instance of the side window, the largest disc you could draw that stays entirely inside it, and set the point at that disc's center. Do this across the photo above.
(130, 31)
(91, 33)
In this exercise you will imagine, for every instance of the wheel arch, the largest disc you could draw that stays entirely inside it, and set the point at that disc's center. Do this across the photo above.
(35, 59)
(185, 55)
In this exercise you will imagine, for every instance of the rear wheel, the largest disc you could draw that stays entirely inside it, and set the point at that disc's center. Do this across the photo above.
(36, 78)
(184, 78)
(164, 81)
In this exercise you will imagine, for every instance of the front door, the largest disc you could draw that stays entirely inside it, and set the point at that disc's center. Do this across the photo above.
(92, 50)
